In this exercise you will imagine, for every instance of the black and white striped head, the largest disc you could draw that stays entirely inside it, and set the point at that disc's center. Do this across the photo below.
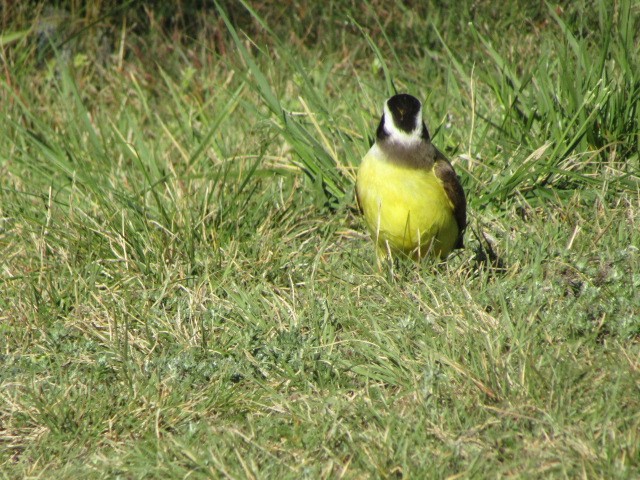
(402, 122)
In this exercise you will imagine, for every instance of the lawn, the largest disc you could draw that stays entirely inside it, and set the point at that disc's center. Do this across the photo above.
(188, 291)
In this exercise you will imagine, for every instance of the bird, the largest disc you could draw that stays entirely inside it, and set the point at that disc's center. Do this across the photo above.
(408, 192)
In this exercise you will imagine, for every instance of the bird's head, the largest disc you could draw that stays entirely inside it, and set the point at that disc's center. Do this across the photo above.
(402, 121)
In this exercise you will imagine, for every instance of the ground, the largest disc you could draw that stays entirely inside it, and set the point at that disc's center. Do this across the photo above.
(188, 289)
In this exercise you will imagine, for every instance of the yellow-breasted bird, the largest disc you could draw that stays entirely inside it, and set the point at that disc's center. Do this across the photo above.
(407, 190)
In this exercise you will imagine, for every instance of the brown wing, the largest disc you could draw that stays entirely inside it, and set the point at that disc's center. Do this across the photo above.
(445, 172)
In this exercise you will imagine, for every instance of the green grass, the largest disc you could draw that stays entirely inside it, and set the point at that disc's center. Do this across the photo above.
(187, 291)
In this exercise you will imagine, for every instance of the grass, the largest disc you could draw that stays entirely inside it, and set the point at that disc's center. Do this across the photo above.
(188, 291)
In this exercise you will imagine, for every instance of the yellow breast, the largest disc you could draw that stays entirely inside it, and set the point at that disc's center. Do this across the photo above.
(406, 209)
